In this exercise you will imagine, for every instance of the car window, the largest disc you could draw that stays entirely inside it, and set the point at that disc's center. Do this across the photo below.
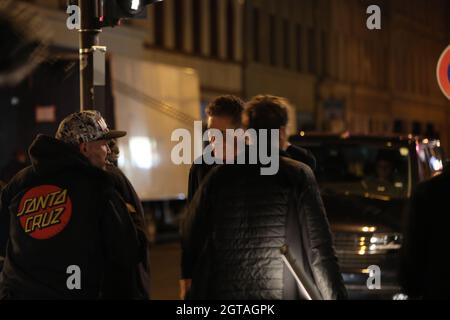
(365, 170)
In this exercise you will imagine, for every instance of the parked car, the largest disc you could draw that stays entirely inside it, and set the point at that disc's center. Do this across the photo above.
(366, 182)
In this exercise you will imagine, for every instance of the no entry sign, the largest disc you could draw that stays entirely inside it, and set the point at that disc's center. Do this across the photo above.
(443, 72)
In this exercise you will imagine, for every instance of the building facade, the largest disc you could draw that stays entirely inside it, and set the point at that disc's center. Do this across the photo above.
(338, 74)
(386, 79)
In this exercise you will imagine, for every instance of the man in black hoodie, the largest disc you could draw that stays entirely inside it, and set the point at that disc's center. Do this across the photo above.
(64, 223)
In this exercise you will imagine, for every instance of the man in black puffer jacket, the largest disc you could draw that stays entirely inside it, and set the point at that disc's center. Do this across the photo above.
(225, 112)
(239, 220)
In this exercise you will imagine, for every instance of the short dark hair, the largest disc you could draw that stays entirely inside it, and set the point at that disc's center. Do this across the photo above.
(267, 112)
(226, 106)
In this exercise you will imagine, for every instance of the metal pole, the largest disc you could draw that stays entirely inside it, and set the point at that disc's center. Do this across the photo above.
(245, 38)
(89, 31)
(305, 285)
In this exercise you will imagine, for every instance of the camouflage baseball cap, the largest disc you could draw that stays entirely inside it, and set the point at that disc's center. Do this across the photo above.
(85, 126)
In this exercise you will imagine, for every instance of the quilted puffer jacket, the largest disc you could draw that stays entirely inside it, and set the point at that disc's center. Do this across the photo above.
(237, 223)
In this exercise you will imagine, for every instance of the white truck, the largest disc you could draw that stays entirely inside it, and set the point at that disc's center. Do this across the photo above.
(151, 101)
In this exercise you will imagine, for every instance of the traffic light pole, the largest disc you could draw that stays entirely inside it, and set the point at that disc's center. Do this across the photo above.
(89, 31)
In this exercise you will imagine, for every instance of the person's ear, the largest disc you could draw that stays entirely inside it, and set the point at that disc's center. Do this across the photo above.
(283, 137)
(83, 148)
(283, 133)
(245, 121)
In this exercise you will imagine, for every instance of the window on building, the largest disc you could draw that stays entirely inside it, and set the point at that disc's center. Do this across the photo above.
(399, 126)
(312, 63)
(179, 24)
(62, 4)
(255, 35)
(196, 26)
(272, 40)
(214, 30)
(430, 131)
(324, 54)
(159, 23)
(298, 47)
(416, 128)
(286, 44)
(230, 30)
(371, 125)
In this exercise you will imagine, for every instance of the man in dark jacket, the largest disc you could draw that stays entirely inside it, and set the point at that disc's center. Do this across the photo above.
(239, 220)
(136, 210)
(425, 244)
(68, 226)
(222, 113)
(225, 112)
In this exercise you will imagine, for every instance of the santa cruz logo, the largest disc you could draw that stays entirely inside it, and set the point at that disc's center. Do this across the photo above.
(44, 211)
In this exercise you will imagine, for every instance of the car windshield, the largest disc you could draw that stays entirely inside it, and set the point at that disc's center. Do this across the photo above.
(363, 170)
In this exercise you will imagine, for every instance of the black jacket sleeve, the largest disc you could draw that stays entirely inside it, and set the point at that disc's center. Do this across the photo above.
(194, 228)
(4, 222)
(193, 183)
(121, 246)
(186, 259)
(134, 206)
(144, 242)
(322, 257)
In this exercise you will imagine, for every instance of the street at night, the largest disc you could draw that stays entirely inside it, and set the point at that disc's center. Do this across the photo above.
(211, 152)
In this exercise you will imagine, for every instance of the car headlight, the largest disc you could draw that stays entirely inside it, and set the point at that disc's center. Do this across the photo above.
(385, 241)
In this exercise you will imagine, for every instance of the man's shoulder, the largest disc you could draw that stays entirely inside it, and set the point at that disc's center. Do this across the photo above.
(291, 168)
(298, 174)
(24, 173)
(433, 185)
(296, 168)
(20, 179)
(93, 177)
(117, 175)
(302, 155)
(200, 168)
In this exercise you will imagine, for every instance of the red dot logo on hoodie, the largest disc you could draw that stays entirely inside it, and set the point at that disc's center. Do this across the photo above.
(44, 211)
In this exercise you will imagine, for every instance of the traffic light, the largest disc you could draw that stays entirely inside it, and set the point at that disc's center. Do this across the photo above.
(114, 10)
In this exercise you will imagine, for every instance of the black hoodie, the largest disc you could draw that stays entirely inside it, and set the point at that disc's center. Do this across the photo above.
(66, 227)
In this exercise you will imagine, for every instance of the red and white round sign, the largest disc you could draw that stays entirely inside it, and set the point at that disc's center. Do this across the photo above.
(443, 72)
